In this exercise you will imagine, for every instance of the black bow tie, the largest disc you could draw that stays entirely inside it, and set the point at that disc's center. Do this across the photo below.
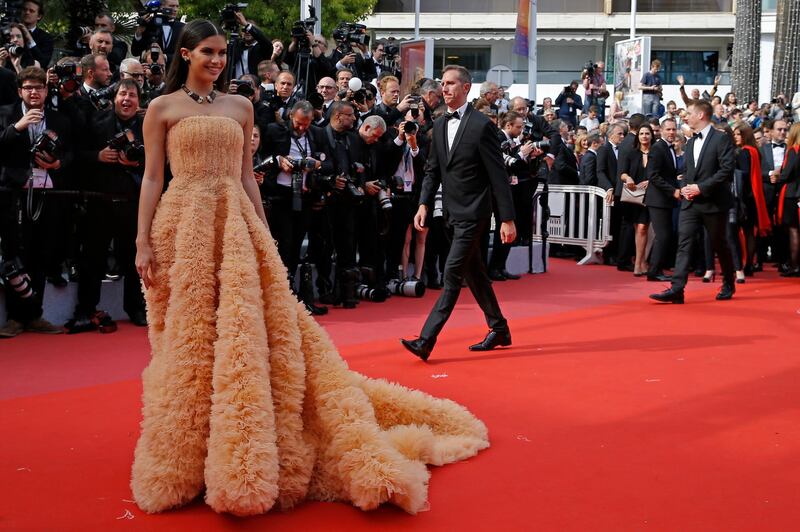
(452, 116)
(698, 135)
(778, 145)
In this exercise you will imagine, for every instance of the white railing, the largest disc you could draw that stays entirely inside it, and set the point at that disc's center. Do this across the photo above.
(579, 216)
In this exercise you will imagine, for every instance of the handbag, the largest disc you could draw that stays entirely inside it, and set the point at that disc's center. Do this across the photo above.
(633, 196)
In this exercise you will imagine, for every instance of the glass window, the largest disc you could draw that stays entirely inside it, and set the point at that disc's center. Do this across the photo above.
(487, 6)
(697, 67)
(666, 6)
(474, 59)
(770, 5)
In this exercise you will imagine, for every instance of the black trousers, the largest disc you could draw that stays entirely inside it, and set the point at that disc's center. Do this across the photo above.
(691, 222)
(288, 227)
(403, 210)
(103, 222)
(33, 243)
(342, 219)
(464, 262)
(371, 221)
(661, 220)
(500, 251)
(437, 247)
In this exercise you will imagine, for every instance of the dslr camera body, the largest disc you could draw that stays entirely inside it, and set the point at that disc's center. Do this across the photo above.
(227, 16)
(348, 33)
(125, 142)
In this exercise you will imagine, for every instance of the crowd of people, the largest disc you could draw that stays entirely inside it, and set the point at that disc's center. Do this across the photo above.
(339, 154)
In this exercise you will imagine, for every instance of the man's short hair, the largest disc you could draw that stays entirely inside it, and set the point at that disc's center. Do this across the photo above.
(103, 30)
(704, 107)
(342, 70)
(32, 73)
(376, 43)
(594, 138)
(39, 4)
(670, 119)
(303, 107)
(509, 118)
(374, 122)
(129, 84)
(385, 81)
(289, 72)
(88, 62)
(636, 120)
(338, 106)
(463, 74)
(127, 62)
(487, 86)
(429, 86)
(615, 126)
(592, 108)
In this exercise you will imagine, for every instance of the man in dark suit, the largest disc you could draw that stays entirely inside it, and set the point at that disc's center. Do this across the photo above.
(588, 173)
(253, 48)
(465, 158)
(22, 238)
(165, 37)
(42, 48)
(607, 179)
(662, 193)
(773, 154)
(565, 165)
(710, 163)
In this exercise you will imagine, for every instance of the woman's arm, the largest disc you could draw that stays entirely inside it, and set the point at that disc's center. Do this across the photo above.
(248, 180)
(154, 130)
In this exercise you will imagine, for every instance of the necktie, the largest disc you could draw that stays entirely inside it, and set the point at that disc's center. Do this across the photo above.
(698, 135)
(452, 116)
(778, 145)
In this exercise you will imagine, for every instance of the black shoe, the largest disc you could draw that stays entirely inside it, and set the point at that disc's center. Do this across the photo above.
(659, 277)
(492, 340)
(328, 299)
(625, 267)
(80, 323)
(57, 280)
(316, 310)
(510, 276)
(496, 275)
(138, 318)
(420, 347)
(791, 273)
(669, 296)
(726, 292)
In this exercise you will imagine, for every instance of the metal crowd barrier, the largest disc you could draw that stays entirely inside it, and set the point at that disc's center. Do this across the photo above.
(578, 216)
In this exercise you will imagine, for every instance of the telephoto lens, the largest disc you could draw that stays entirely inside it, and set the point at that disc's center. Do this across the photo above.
(365, 293)
(410, 288)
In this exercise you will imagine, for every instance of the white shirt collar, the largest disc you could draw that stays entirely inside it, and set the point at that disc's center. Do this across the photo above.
(461, 110)
(706, 130)
(88, 88)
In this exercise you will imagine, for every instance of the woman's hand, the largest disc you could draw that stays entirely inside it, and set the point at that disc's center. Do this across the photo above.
(145, 264)
(642, 185)
(630, 185)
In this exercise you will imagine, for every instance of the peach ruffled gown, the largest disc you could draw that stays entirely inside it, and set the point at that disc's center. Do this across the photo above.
(245, 396)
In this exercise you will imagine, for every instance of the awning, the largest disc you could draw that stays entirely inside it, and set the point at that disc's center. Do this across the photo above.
(488, 36)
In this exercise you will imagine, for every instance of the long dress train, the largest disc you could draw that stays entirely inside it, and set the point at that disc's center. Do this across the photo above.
(245, 396)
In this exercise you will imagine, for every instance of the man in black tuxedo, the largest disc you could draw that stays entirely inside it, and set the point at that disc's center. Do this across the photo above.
(588, 169)
(252, 48)
(465, 158)
(662, 192)
(607, 179)
(773, 154)
(42, 46)
(710, 163)
(165, 37)
(22, 238)
(565, 165)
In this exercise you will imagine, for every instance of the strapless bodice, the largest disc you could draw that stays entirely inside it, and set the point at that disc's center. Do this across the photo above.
(205, 150)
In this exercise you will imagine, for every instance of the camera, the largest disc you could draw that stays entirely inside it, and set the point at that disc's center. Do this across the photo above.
(13, 274)
(415, 105)
(350, 33)
(69, 76)
(126, 143)
(159, 15)
(103, 98)
(243, 87)
(301, 28)
(384, 199)
(365, 293)
(47, 146)
(529, 132)
(155, 53)
(410, 127)
(14, 50)
(589, 68)
(390, 51)
(227, 16)
(408, 288)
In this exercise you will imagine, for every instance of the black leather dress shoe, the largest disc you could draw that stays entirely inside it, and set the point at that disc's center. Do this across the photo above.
(492, 340)
(510, 276)
(660, 277)
(420, 347)
(791, 273)
(726, 292)
(496, 275)
(669, 296)
(138, 318)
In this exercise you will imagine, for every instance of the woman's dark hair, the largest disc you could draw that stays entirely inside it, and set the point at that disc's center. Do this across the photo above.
(192, 34)
(744, 129)
(636, 143)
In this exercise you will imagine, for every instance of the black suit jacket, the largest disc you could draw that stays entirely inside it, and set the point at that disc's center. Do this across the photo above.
(276, 140)
(15, 147)
(767, 166)
(471, 173)
(588, 174)
(565, 167)
(104, 177)
(43, 51)
(662, 176)
(790, 174)
(260, 51)
(606, 167)
(8, 87)
(712, 172)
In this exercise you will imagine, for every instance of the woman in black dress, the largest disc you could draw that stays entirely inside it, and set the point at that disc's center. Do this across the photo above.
(634, 177)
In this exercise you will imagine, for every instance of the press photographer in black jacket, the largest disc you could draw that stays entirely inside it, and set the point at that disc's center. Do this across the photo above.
(26, 234)
(112, 158)
(253, 47)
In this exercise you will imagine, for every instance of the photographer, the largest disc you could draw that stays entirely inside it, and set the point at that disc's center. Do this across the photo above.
(41, 45)
(405, 186)
(290, 184)
(102, 43)
(16, 54)
(594, 83)
(490, 93)
(391, 108)
(131, 68)
(519, 155)
(161, 27)
(306, 56)
(568, 103)
(35, 149)
(119, 48)
(155, 68)
(268, 72)
(253, 48)
(112, 156)
(351, 46)
(96, 74)
(280, 103)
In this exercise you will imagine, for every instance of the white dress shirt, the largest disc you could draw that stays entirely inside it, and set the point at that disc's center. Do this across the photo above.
(698, 143)
(778, 153)
(453, 123)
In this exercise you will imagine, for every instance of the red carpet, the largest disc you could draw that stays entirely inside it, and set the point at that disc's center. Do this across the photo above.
(609, 413)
